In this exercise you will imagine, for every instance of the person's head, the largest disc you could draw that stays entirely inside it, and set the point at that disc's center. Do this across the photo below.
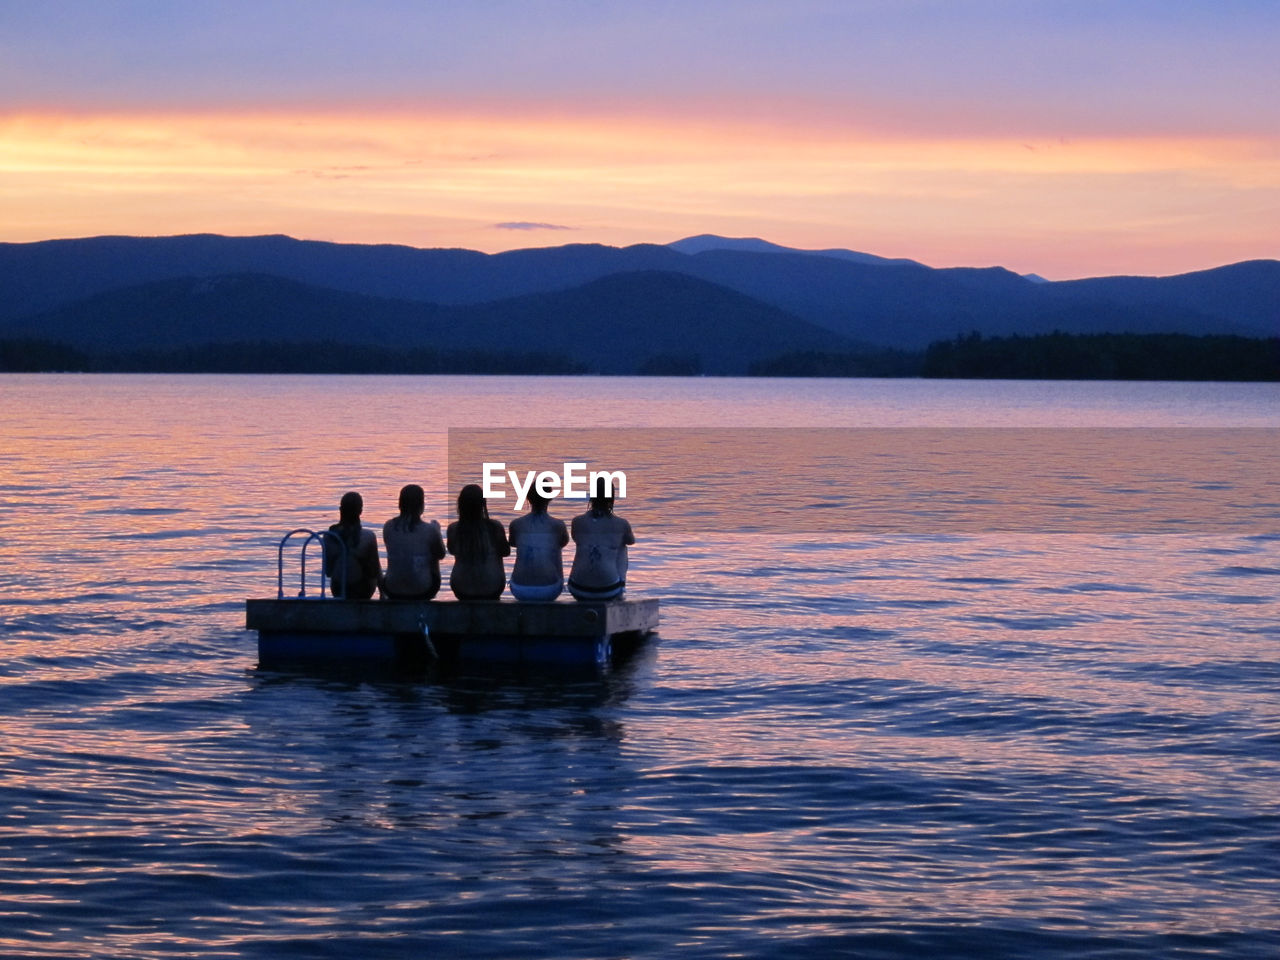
(471, 503)
(601, 498)
(537, 502)
(350, 507)
(412, 501)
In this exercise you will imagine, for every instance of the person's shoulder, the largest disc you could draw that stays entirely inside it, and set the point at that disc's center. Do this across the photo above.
(560, 531)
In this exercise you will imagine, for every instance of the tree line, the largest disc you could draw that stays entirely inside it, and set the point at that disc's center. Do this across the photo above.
(35, 356)
(1055, 356)
(1105, 356)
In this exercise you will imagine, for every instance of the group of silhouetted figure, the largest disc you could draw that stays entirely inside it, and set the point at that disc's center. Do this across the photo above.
(478, 545)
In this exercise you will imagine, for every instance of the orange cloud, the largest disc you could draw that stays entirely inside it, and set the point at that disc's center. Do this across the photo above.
(442, 178)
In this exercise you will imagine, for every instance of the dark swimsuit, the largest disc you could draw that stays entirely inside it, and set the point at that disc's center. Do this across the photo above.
(608, 592)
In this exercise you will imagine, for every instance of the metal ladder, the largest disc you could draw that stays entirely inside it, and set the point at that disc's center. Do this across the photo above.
(311, 536)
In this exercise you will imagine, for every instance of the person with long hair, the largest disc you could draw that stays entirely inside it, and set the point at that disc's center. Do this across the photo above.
(478, 545)
(599, 569)
(538, 539)
(353, 576)
(414, 550)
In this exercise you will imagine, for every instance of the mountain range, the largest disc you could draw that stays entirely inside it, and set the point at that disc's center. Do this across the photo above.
(719, 303)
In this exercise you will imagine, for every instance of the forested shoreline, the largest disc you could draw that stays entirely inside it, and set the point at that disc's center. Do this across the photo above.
(1104, 356)
(1055, 356)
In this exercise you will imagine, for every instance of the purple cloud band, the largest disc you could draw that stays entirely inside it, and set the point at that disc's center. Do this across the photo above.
(529, 225)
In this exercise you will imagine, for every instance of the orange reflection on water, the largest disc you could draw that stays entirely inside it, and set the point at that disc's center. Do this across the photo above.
(931, 481)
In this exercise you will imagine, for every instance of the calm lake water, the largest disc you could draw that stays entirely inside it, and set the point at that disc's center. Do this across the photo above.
(915, 740)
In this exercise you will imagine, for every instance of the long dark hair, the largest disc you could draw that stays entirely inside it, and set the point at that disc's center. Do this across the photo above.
(473, 535)
(601, 502)
(412, 503)
(349, 509)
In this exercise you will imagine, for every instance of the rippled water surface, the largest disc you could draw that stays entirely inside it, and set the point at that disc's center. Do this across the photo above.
(925, 743)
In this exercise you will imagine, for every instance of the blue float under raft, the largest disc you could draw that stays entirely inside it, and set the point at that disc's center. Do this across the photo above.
(498, 631)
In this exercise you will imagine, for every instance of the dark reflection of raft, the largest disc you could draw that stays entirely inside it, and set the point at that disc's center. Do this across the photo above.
(500, 631)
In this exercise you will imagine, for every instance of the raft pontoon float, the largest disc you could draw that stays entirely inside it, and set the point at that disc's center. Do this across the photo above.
(317, 626)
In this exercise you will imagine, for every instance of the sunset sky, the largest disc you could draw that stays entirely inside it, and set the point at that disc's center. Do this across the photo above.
(1068, 139)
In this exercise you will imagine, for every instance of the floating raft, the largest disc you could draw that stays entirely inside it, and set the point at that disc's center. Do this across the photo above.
(501, 631)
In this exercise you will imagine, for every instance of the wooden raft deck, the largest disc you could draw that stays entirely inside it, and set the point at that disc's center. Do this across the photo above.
(566, 631)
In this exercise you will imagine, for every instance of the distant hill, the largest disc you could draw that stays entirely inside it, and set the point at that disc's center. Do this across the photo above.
(855, 297)
(239, 307)
(616, 324)
(39, 276)
(707, 241)
(1248, 294)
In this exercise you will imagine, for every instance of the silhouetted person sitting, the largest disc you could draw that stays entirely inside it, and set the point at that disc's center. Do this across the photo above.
(538, 538)
(414, 550)
(600, 559)
(356, 577)
(478, 545)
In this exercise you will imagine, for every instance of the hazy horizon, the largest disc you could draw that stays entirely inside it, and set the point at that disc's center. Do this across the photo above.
(569, 242)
